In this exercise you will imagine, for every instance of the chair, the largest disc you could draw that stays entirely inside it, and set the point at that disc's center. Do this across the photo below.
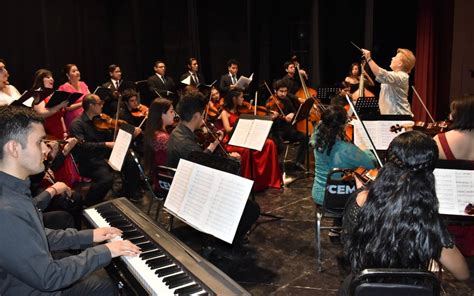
(391, 282)
(164, 176)
(336, 194)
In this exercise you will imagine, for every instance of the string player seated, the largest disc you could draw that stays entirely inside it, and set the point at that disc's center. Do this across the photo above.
(95, 149)
(282, 128)
(183, 141)
(261, 166)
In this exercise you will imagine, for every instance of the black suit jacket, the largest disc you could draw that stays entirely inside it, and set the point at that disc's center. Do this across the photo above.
(110, 101)
(225, 83)
(156, 85)
(193, 83)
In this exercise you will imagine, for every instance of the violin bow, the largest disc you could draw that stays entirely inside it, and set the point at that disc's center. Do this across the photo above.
(274, 100)
(365, 130)
(422, 104)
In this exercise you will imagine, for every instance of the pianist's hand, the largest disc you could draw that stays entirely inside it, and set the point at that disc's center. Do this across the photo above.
(122, 248)
(105, 233)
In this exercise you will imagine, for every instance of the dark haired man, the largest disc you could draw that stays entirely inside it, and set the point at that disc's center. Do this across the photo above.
(193, 73)
(182, 140)
(110, 102)
(229, 80)
(293, 82)
(283, 130)
(160, 85)
(91, 155)
(26, 264)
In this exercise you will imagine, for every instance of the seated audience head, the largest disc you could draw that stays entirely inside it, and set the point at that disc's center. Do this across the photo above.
(233, 99)
(115, 72)
(462, 113)
(191, 108)
(21, 140)
(399, 225)
(331, 128)
(43, 79)
(233, 66)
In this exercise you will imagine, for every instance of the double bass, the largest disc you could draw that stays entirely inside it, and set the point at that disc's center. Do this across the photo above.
(307, 93)
(361, 91)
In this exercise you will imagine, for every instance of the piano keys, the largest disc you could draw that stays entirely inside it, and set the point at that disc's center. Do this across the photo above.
(166, 266)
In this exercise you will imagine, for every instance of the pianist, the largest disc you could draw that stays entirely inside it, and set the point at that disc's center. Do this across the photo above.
(26, 264)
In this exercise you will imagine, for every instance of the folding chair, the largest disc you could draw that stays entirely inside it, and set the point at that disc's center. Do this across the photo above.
(395, 282)
(336, 194)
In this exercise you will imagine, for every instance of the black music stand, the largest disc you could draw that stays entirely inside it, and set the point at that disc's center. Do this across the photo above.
(367, 106)
(326, 93)
(303, 114)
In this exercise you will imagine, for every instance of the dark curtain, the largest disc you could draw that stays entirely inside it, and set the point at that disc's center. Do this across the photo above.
(433, 58)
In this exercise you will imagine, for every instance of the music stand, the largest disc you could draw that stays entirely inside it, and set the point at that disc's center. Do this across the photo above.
(367, 106)
(326, 93)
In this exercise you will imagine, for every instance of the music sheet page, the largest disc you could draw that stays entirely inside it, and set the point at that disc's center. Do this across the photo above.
(251, 133)
(455, 189)
(210, 200)
(122, 142)
(379, 131)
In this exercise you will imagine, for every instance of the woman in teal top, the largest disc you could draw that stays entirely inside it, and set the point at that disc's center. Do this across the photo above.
(331, 150)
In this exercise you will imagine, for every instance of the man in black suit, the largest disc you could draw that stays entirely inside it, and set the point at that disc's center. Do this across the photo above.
(160, 85)
(229, 80)
(196, 78)
(111, 101)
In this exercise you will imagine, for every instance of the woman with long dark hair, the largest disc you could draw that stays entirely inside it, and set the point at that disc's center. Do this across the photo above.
(332, 150)
(264, 169)
(160, 115)
(394, 223)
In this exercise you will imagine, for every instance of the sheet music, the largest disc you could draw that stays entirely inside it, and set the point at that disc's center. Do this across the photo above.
(455, 189)
(251, 133)
(209, 200)
(379, 131)
(120, 149)
(244, 82)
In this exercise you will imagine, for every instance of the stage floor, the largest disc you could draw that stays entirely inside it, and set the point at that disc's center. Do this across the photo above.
(280, 258)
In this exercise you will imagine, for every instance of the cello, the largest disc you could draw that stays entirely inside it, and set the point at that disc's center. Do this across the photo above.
(306, 93)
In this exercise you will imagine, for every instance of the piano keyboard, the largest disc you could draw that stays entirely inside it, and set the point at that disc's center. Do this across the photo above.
(166, 266)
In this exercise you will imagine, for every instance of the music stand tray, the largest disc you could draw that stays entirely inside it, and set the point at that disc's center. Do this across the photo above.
(367, 105)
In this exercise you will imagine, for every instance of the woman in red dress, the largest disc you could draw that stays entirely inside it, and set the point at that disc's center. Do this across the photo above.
(55, 127)
(261, 166)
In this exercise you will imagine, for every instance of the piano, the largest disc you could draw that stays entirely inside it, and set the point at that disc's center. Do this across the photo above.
(166, 266)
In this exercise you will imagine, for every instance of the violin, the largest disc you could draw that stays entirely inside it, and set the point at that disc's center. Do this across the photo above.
(141, 111)
(248, 108)
(366, 175)
(103, 122)
(432, 128)
(215, 108)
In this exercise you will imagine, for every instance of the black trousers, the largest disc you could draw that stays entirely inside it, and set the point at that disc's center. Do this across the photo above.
(288, 133)
(95, 284)
(249, 217)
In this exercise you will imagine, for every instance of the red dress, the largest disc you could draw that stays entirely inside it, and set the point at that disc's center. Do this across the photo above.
(266, 172)
(54, 126)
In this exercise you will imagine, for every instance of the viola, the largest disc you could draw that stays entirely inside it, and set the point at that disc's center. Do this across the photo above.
(141, 111)
(103, 122)
(274, 104)
(432, 128)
